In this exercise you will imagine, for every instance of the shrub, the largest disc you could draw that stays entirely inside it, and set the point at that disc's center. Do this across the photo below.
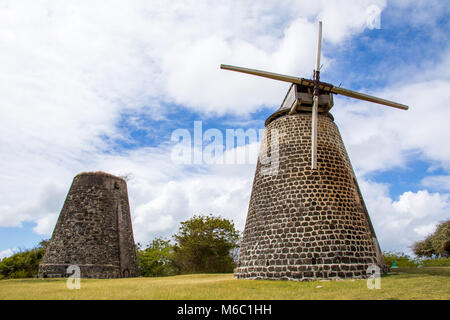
(438, 262)
(404, 260)
(156, 260)
(401, 259)
(23, 264)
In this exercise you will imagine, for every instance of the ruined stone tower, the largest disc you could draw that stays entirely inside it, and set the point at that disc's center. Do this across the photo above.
(93, 230)
(305, 224)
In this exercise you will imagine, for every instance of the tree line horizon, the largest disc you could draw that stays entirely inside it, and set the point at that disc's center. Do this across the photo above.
(210, 244)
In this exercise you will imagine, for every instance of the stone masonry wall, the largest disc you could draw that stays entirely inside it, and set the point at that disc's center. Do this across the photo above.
(305, 224)
(93, 230)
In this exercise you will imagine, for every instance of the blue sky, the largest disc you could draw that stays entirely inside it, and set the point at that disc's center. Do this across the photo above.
(96, 87)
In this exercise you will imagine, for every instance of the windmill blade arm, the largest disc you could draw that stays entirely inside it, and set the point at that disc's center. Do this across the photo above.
(310, 83)
(366, 97)
(270, 75)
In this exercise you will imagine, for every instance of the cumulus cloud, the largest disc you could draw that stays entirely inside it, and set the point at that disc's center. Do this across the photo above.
(46, 224)
(393, 137)
(192, 70)
(437, 182)
(7, 252)
(381, 139)
(163, 193)
(399, 223)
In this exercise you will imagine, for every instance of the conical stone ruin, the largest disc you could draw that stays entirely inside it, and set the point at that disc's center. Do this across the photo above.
(93, 230)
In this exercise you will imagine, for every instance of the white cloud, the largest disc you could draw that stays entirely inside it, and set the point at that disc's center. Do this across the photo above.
(382, 138)
(437, 182)
(425, 230)
(399, 223)
(192, 68)
(421, 203)
(161, 193)
(30, 195)
(7, 252)
(161, 199)
(421, 13)
(46, 224)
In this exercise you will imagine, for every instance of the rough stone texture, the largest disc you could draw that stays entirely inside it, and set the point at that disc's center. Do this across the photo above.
(93, 230)
(305, 224)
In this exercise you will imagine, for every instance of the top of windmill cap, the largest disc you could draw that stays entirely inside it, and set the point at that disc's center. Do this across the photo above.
(299, 100)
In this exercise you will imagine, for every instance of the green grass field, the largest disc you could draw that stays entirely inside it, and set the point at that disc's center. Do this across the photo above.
(405, 286)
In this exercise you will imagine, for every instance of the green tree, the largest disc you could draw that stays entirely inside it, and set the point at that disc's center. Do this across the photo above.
(205, 244)
(423, 248)
(437, 244)
(441, 239)
(156, 259)
(23, 264)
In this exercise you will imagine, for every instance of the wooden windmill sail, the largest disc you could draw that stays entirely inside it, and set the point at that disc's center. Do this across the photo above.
(309, 220)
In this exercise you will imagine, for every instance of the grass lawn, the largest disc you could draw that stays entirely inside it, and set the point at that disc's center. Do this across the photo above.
(224, 286)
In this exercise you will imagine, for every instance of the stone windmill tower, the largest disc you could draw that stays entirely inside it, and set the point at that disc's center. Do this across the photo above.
(307, 219)
(93, 230)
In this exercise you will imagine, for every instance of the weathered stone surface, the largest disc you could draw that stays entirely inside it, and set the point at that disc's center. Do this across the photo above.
(93, 230)
(304, 224)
